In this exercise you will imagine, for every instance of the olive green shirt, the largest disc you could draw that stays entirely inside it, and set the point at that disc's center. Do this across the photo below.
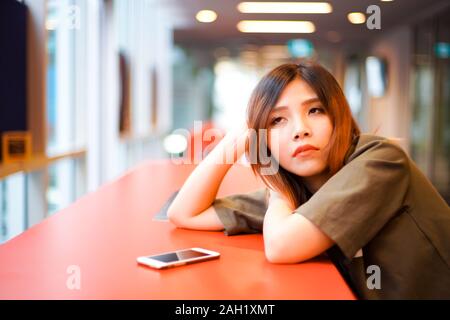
(390, 226)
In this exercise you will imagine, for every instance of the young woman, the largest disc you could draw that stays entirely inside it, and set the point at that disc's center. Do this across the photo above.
(357, 197)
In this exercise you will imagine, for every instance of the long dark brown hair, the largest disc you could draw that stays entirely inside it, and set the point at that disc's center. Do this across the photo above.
(264, 98)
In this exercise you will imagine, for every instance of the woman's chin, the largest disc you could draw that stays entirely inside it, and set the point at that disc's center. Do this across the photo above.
(309, 169)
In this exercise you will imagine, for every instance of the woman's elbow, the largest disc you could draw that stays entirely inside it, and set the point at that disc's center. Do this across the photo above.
(173, 218)
(274, 252)
(170, 213)
(273, 258)
(277, 253)
(280, 257)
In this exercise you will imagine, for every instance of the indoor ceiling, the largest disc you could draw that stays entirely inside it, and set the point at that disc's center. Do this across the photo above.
(330, 28)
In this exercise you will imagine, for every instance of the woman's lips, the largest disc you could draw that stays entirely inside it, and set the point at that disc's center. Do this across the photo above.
(304, 150)
(305, 154)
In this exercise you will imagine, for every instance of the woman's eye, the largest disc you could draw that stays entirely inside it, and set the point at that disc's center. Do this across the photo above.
(316, 110)
(276, 120)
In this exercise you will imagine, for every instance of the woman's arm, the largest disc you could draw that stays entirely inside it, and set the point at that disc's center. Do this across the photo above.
(192, 206)
(290, 237)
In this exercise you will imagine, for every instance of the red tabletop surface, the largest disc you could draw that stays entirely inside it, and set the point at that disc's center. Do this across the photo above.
(104, 232)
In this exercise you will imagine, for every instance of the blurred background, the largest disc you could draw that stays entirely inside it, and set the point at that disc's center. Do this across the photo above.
(102, 85)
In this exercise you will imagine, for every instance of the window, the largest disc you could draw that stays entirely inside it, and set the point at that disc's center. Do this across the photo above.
(78, 48)
(66, 91)
(232, 76)
(12, 206)
(430, 143)
(65, 183)
(65, 60)
(354, 90)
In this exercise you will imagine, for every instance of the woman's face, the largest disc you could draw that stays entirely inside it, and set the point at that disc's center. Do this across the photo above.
(299, 119)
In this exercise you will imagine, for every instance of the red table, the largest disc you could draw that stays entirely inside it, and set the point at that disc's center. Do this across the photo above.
(103, 233)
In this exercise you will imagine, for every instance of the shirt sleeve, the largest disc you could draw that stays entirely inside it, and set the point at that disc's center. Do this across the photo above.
(355, 204)
(242, 213)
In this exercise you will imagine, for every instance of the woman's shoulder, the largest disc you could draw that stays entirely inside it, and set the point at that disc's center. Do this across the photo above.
(369, 145)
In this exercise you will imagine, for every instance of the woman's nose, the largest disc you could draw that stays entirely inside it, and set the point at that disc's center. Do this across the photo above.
(301, 130)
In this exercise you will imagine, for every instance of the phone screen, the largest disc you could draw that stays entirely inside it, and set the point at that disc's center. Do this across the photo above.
(178, 255)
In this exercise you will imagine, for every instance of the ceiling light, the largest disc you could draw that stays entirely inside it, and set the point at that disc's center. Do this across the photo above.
(206, 16)
(175, 143)
(51, 24)
(356, 17)
(262, 26)
(284, 7)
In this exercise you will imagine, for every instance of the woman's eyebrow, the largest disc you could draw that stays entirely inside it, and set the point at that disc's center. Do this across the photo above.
(304, 103)
(311, 100)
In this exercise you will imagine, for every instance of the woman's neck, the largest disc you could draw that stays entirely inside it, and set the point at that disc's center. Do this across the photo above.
(313, 183)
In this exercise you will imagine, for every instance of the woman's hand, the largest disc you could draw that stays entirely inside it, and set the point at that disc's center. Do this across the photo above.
(192, 207)
(234, 143)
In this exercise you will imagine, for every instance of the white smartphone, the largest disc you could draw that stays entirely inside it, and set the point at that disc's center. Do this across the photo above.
(178, 258)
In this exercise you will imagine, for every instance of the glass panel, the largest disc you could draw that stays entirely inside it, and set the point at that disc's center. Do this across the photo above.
(12, 206)
(422, 117)
(232, 75)
(65, 46)
(421, 135)
(353, 90)
(430, 146)
(3, 228)
(441, 170)
(66, 183)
